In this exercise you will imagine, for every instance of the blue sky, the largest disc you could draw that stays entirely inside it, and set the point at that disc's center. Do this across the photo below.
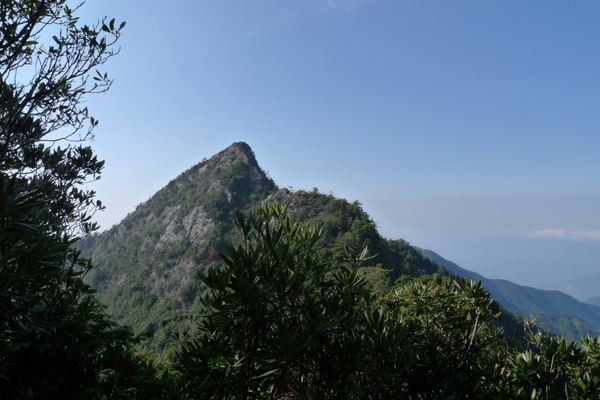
(467, 127)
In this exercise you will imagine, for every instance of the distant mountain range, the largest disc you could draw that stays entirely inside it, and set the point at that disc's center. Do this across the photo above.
(148, 264)
(551, 309)
(586, 288)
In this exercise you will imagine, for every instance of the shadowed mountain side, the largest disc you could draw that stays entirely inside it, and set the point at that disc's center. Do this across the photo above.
(552, 310)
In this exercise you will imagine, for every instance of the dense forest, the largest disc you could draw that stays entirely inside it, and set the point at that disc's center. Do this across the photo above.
(296, 297)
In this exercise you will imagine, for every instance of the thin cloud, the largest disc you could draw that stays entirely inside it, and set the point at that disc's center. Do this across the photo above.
(339, 3)
(346, 5)
(563, 234)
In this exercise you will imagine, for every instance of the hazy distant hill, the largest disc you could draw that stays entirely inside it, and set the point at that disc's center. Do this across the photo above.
(148, 264)
(594, 301)
(553, 310)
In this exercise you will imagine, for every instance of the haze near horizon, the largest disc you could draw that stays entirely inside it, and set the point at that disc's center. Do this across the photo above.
(468, 128)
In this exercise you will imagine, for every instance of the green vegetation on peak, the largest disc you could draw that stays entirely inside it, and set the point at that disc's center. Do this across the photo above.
(347, 225)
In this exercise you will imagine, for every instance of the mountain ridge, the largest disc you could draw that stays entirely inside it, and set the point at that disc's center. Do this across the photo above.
(584, 288)
(149, 263)
(550, 308)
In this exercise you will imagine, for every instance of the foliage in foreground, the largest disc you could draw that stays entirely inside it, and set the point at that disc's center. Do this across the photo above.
(285, 320)
(56, 341)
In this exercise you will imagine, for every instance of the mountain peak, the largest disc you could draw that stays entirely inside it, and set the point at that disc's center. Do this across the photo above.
(241, 147)
(232, 174)
(149, 262)
(239, 151)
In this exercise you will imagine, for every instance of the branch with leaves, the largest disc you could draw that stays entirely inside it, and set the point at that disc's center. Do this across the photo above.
(49, 63)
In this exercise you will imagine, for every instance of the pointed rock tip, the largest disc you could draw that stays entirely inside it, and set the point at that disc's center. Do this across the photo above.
(238, 149)
(241, 146)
